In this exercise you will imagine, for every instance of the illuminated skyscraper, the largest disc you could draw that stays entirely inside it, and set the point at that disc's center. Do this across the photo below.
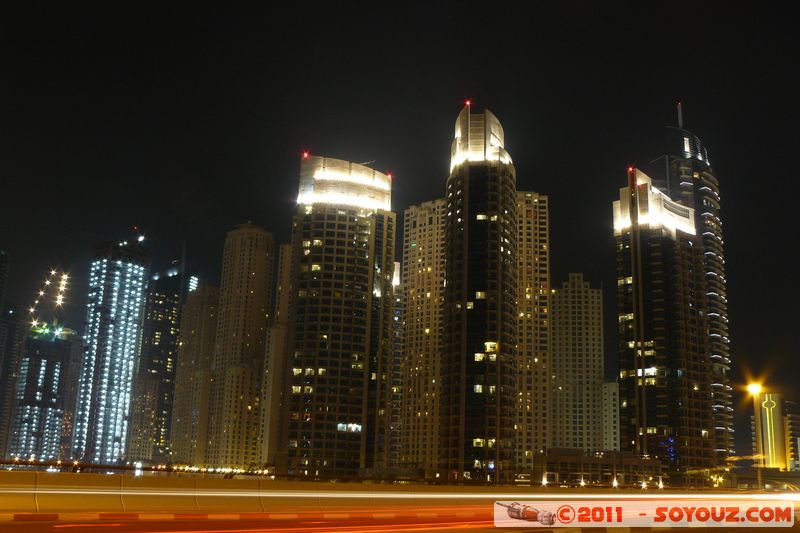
(534, 360)
(423, 301)
(154, 384)
(577, 363)
(13, 328)
(115, 309)
(479, 396)
(690, 179)
(337, 380)
(191, 406)
(42, 392)
(665, 373)
(245, 304)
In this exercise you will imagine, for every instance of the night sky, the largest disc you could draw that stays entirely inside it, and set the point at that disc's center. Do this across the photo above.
(188, 122)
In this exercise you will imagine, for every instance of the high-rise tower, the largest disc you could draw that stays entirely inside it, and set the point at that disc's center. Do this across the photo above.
(337, 382)
(422, 309)
(198, 327)
(665, 373)
(245, 303)
(577, 363)
(154, 384)
(534, 360)
(690, 179)
(115, 308)
(479, 367)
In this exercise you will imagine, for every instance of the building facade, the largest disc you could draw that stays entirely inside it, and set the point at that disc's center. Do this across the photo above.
(477, 438)
(337, 382)
(422, 285)
(534, 359)
(42, 394)
(693, 182)
(610, 424)
(154, 385)
(115, 310)
(665, 374)
(12, 334)
(245, 307)
(195, 356)
(577, 363)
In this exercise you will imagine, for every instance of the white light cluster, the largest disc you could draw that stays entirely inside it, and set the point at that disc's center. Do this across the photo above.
(329, 181)
(656, 209)
(478, 137)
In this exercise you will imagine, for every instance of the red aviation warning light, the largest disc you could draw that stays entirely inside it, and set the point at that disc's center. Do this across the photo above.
(467, 102)
(389, 175)
(305, 154)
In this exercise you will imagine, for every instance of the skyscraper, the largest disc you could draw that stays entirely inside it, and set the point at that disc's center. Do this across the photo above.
(42, 392)
(154, 384)
(274, 364)
(690, 179)
(665, 374)
(610, 418)
(13, 328)
(115, 308)
(479, 366)
(534, 360)
(422, 308)
(195, 353)
(338, 362)
(245, 303)
(3, 276)
(577, 363)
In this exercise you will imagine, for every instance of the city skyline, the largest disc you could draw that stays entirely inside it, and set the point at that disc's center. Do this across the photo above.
(540, 129)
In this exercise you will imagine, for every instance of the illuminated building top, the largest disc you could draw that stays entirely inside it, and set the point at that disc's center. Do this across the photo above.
(655, 209)
(478, 137)
(324, 180)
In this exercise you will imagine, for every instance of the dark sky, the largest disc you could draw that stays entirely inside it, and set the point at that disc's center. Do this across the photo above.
(188, 122)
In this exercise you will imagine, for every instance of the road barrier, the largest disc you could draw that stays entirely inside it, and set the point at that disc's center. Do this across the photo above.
(66, 491)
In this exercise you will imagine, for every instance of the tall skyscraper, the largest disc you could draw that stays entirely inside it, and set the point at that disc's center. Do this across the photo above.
(274, 364)
(42, 392)
(245, 304)
(690, 179)
(534, 360)
(112, 338)
(665, 374)
(422, 309)
(154, 384)
(13, 328)
(771, 444)
(577, 363)
(479, 368)
(195, 354)
(338, 363)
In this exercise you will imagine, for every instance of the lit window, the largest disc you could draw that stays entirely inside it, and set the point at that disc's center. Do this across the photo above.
(480, 295)
(478, 443)
(478, 388)
(479, 357)
(316, 268)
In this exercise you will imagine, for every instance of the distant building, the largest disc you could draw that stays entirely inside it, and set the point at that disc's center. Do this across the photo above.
(275, 361)
(337, 384)
(578, 407)
(665, 373)
(42, 394)
(535, 425)
(13, 327)
(245, 305)
(154, 385)
(3, 276)
(479, 396)
(422, 289)
(195, 355)
(575, 468)
(112, 343)
(610, 420)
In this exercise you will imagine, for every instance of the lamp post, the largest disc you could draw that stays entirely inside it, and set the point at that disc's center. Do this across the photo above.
(755, 390)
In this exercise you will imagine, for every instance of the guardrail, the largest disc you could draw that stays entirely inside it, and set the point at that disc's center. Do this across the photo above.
(48, 492)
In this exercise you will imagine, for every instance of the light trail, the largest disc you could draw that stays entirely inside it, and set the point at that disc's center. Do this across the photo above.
(793, 496)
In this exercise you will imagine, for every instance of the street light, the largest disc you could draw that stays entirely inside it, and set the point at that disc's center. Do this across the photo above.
(755, 390)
